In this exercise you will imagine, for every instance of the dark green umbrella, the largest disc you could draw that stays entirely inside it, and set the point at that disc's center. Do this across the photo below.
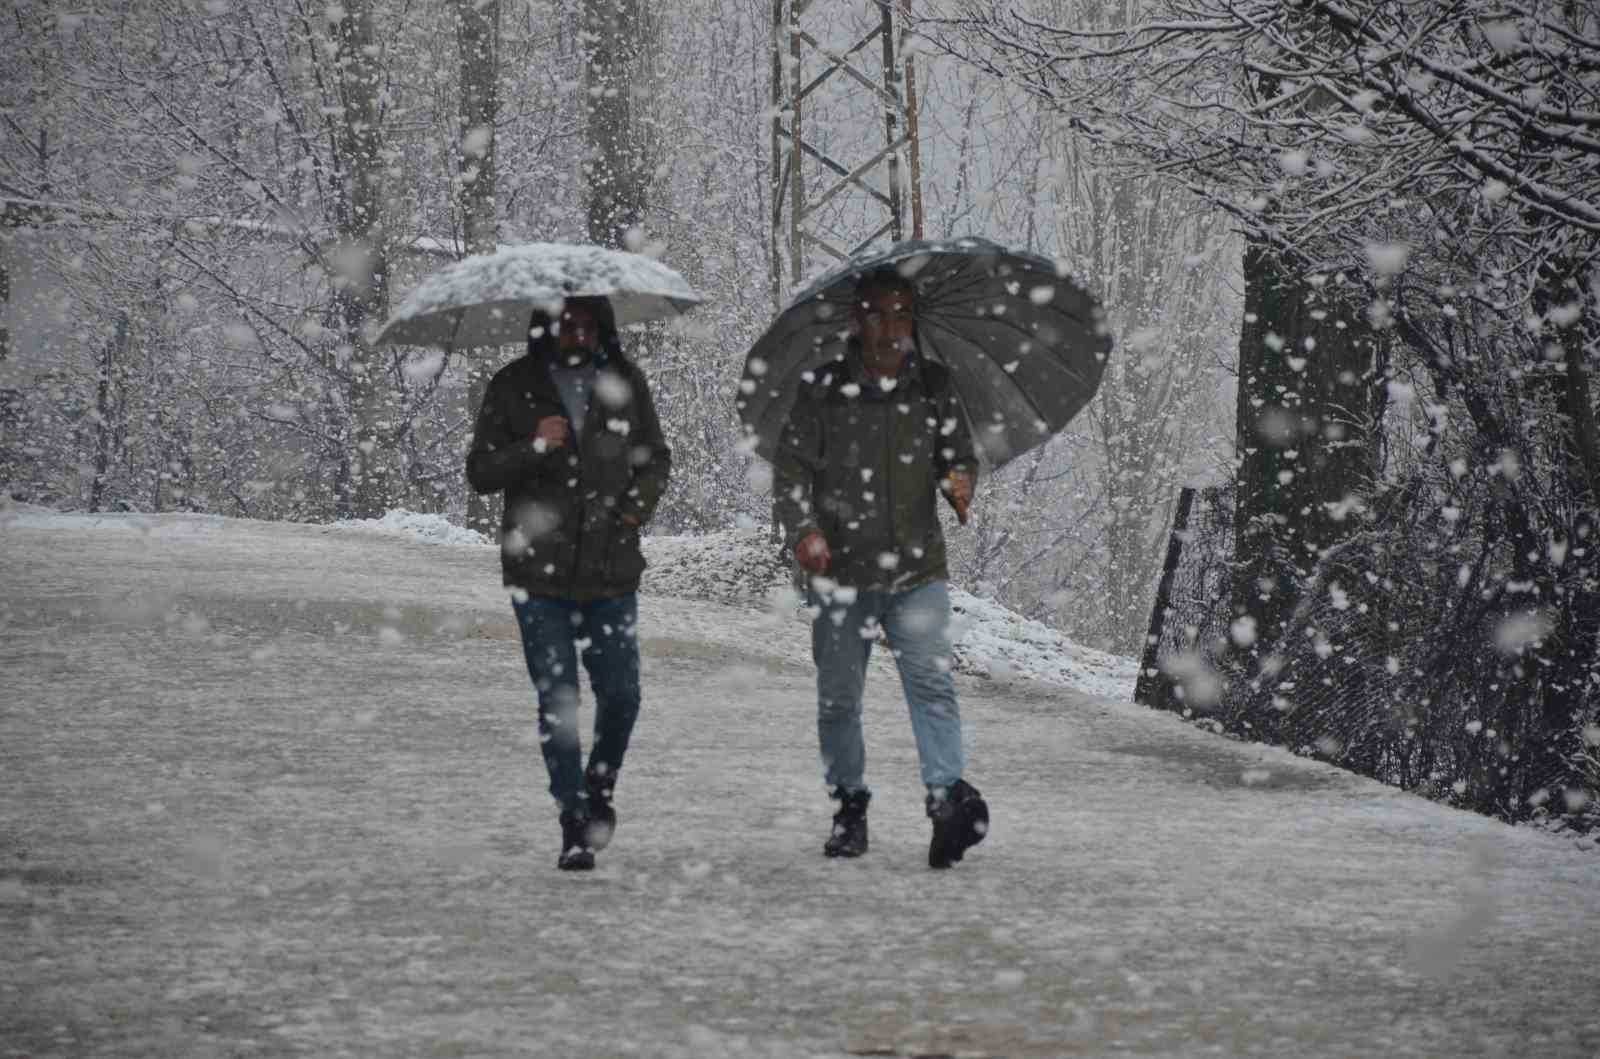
(1025, 344)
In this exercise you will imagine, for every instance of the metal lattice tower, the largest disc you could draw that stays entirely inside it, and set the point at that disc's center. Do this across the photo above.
(824, 80)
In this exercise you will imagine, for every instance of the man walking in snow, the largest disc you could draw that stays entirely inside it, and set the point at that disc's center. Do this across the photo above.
(570, 434)
(872, 440)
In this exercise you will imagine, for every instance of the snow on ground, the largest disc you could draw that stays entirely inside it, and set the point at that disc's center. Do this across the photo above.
(434, 528)
(274, 789)
(994, 642)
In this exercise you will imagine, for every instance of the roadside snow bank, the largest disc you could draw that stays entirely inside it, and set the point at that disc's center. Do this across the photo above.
(436, 529)
(991, 641)
(744, 568)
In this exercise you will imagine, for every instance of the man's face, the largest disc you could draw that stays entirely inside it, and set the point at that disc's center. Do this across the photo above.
(579, 329)
(884, 321)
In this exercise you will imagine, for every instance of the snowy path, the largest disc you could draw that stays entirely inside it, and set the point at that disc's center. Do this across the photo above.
(238, 817)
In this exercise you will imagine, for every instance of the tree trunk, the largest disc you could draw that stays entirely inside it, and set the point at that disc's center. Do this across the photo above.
(1142, 412)
(1125, 427)
(362, 264)
(112, 366)
(614, 34)
(1260, 499)
(1306, 405)
(478, 45)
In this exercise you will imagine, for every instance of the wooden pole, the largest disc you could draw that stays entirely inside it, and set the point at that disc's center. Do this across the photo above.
(914, 147)
(797, 188)
(776, 182)
(896, 228)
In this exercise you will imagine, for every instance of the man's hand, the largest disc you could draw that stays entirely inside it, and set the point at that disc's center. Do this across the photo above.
(632, 520)
(552, 431)
(812, 552)
(957, 486)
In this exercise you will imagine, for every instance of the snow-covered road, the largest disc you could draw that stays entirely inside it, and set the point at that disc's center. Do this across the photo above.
(275, 790)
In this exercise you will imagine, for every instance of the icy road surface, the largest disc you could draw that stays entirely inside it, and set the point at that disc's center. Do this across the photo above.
(274, 790)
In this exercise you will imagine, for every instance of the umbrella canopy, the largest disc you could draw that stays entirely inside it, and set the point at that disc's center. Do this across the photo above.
(1024, 343)
(487, 299)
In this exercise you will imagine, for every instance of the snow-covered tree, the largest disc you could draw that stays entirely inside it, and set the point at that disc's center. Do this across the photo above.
(1416, 435)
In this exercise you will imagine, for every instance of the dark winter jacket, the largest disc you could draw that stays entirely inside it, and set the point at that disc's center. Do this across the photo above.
(863, 465)
(562, 533)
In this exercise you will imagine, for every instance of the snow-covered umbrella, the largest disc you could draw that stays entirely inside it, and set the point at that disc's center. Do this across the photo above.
(1025, 344)
(487, 299)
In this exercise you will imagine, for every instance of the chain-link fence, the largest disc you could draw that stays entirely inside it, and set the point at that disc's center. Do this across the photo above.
(1192, 606)
(1414, 655)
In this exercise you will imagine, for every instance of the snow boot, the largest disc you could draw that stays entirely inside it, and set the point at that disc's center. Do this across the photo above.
(849, 837)
(601, 782)
(575, 852)
(960, 820)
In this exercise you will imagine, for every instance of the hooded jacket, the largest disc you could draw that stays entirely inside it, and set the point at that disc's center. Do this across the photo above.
(562, 533)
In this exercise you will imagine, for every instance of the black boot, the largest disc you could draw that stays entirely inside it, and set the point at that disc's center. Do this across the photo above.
(849, 838)
(602, 784)
(960, 820)
(575, 852)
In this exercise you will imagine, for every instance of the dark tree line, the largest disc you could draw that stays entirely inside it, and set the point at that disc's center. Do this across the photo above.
(1415, 585)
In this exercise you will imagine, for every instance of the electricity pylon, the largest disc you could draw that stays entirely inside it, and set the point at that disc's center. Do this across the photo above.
(839, 190)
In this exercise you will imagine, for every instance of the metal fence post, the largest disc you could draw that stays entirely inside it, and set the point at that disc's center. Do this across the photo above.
(1148, 684)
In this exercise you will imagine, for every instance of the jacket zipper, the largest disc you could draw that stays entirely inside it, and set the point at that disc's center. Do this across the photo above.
(583, 505)
(888, 472)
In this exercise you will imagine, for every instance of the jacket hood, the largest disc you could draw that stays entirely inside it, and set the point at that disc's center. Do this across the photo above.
(545, 347)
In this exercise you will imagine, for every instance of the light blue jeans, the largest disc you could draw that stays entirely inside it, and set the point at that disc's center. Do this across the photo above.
(917, 622)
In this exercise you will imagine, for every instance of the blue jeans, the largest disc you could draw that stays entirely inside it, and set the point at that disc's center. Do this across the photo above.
(554, 632)
(917, 621)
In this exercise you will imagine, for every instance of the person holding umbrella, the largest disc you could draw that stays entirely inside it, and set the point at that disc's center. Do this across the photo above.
(868, 447)
(874, 391)
(569, 433)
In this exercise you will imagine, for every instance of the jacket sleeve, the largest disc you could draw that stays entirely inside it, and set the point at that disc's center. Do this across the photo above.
(652, 459)
(498, 459)
(794, 470)
(955, 450)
